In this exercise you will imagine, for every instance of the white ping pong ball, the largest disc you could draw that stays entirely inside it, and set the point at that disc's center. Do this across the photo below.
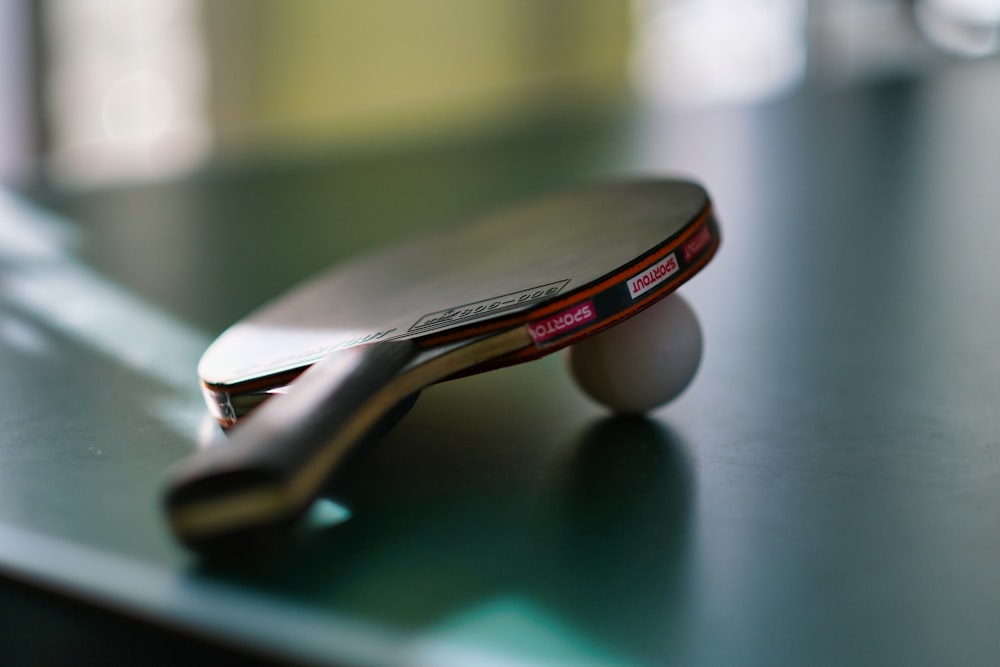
(643, 362)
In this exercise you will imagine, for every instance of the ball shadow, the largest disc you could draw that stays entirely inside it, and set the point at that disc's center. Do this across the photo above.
(619, 536)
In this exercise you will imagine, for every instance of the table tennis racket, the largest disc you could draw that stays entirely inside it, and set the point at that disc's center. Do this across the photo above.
(339, 357)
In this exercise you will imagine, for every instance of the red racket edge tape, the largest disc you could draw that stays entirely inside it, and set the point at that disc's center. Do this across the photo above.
(667, 288)
(221, 395)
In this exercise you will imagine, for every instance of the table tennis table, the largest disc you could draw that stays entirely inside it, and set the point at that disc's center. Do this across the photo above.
(826, 492)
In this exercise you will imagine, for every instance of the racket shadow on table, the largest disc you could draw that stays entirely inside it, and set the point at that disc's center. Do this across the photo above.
(595, 540)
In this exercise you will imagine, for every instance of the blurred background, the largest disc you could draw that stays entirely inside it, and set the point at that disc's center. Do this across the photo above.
(820, 491)
(103, 92)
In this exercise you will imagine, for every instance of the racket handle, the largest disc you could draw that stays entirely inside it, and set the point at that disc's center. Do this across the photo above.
(244, 493)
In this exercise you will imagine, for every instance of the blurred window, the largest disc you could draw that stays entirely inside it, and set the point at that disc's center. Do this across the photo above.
(696, 52)
(126, 88)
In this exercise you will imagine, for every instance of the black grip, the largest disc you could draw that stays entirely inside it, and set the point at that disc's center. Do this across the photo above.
(239, 493)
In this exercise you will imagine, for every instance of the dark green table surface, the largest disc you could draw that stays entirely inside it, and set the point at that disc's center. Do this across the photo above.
(827, 492)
